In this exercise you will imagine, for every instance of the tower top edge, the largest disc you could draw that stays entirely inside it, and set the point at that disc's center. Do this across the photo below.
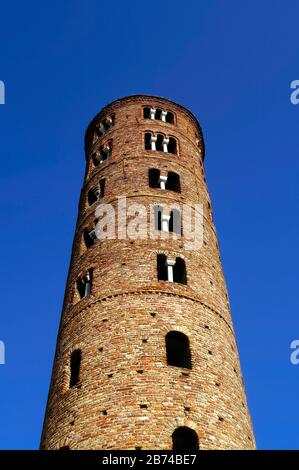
(139, 97)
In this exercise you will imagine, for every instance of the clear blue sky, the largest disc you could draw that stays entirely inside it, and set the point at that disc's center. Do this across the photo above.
(231, 63)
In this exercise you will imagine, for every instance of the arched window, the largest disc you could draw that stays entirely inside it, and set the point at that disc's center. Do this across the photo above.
(158, 113)
(147, 140)
(95, 193)
(185, 439)
(102, 154)
(175, 224)
(173, 182)
(147, 113)
(159, 142)
(89, 237)
(158, 210)
(172, 145)
(162, 267)
(178, 350)
(169, 117)
(84, 285)
(154, 178)
(75, 368)
(179, 271)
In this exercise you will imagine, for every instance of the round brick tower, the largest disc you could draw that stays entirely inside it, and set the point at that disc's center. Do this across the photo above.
(146, 354)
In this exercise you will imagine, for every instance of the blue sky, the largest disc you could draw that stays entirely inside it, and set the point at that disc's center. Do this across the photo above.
(231, 63)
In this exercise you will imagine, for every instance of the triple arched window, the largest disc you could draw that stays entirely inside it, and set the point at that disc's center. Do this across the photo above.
(160, 143)
(159, 114)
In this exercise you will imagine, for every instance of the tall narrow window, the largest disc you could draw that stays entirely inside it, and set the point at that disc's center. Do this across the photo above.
(84, 285)
(146, 113)
(159, 143)
(147, 141)
(185, 439)
(178, 350)
(175, 224)
(169, 117)
(179, 271)
(89, 237)
(154, 178)
(95, 193)
(158, 113)
(172, 145)
(173, 182)
(75, 367)
(162, 267)
(158, 210)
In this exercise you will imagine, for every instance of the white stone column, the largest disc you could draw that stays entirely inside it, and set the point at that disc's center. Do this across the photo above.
(165, 144)
(170, 264)
(153, 142)
(87, 285)
(101, 128)
(153, 113)
(109, 121)
(165, 222)
(163, 116)
(163, 181)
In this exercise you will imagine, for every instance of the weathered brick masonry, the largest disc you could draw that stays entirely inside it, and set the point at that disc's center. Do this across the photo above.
(126, 395)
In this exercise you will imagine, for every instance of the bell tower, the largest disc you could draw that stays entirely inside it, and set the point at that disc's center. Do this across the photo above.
(146, 354)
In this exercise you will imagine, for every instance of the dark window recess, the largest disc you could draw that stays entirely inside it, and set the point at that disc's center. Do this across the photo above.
(161, 267)
(93, 195)
(64, 448)
(146, 113)
(158, 217)
(169, 117)
(154, 178)
(178, 350)
(159, 142)
(147, 141)
(102, 183)
(173, 182)
(175, 224)
(84, 285)
(179, 271)
(158, 114)
(75, 367)
(185, 439)
(89, 237)
(172, 146)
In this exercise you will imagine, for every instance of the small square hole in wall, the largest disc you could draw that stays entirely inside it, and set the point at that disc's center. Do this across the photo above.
(207, 327)
(144, 340)
(249, 438)
(140, 371)
(105, 319)
(220, 418)
(104, 412)
(211, 282)
(210, 352)
(187, 408)
(100, 349)
(143, 406)
(153, 314)
(217, 384)
(110, 376)
(72, 423)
